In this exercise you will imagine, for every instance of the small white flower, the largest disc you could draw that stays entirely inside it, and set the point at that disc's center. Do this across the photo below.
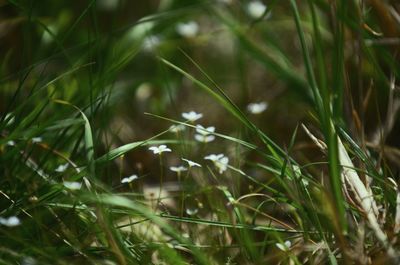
(204, 138)
(213, 157)
(178, 169)
(177, 128)
(204, 134)
(188, 29)
(37, 139)
(159, 149)
(10, 221)
(151, 43)
(256, 9)
(192, 116)
(11, 143)
(257, 108)
(191, 163)
(204, 131)
(129, 179)
(72, 185)
(220, 161)
(285, 246)
(62, 168)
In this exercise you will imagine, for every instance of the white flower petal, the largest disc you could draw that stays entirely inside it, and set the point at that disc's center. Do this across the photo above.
(72, 185)
(214, 157)
(188, 29)
(129, 179)
(256, 9)
(37, 139)
(177, 128)
(159, 149)
(220, 161)
(224, 160)
(285, 246)
(257, 108)
(178, 169)
(62, 168)
(305, 182)
(204, 131)
(204, 138)
(11, 143)
(192, 116)
(221, 167)
(191, 163)
(10, 221)
(151, 43)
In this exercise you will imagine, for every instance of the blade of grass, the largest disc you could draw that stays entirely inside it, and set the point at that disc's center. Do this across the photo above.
(322, 106)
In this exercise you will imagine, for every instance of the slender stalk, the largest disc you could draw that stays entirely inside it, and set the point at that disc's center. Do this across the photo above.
(322, 105)
(161, 180)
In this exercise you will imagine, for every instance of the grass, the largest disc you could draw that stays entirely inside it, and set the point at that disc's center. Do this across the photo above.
(88, 87)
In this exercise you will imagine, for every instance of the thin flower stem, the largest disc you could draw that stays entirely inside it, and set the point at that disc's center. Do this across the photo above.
(161, 180)
(183, 191)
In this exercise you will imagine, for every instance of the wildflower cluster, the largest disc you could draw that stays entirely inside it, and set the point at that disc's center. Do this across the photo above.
(204, 135)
